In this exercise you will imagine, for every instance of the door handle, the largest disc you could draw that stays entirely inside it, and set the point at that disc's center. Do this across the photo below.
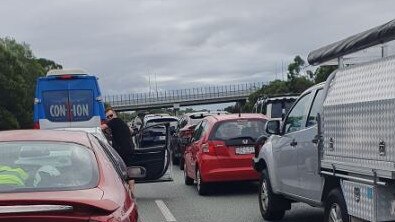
(293, 143)
(317, 139)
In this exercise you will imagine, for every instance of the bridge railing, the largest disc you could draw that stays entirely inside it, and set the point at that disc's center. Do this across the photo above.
(179, 95)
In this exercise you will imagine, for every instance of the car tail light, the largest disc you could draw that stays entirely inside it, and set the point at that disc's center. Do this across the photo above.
(210, 146)
(65, 77)
(36, 125)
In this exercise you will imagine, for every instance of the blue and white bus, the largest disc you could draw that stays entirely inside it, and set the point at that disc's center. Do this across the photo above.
(67, 98)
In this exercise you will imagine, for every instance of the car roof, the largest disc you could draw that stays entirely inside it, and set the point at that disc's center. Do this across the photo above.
(58, 72)
(236, 116)
(160, 117)
(46, 135)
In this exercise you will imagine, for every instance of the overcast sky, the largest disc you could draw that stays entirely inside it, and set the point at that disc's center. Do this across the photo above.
(186, 43)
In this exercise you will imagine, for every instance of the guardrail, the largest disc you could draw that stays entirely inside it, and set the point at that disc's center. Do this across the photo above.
(181, 95)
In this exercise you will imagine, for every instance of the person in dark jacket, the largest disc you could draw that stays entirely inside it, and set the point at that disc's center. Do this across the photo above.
(121, 136)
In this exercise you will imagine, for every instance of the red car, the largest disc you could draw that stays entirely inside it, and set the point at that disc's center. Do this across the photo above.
(186, 126)
(62, 176)
(221, 149)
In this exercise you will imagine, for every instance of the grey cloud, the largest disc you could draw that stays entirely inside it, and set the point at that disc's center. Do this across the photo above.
(185, 43)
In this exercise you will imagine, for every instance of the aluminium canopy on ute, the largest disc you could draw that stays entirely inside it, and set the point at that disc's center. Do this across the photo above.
(377, 35)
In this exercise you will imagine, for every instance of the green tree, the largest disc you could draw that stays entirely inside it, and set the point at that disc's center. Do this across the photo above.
(48, 64)
(295, 84)
(322, 73)
(295, 67)
(19, 70)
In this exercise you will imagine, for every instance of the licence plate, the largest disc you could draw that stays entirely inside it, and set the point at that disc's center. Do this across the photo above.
(245, 150)
(162, 137)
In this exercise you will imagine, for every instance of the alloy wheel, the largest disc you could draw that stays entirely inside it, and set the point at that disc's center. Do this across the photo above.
(264, 196)
(335, 214)
(185, 170)
(198, 180)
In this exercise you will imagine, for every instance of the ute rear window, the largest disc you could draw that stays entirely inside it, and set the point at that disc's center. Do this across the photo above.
(239, 128)
(46, 166)
(64, 105)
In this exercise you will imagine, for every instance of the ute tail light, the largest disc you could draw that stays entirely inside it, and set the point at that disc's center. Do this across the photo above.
(211, 146)
(36, 125)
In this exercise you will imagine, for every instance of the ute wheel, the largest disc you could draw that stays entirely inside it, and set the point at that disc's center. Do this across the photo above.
(271, 205)
(188, 181)
(335, 207)
(182, 161)
(201, 186)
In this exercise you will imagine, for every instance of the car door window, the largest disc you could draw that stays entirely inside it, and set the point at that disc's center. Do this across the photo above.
(199, 131)
(294, 121)
(312, 117)
(115, 159)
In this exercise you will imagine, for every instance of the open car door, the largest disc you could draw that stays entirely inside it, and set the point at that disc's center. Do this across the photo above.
(152, 152)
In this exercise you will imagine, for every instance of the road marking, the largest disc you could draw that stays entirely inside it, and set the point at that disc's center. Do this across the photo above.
(165, 211)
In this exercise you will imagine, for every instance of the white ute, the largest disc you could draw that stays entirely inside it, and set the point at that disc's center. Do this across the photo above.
(336, 147)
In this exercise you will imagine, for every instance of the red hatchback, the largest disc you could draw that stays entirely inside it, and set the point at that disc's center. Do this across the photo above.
(62, 176)
(221, 149)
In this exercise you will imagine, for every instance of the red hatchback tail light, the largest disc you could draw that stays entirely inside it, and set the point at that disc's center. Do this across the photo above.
(211, 146)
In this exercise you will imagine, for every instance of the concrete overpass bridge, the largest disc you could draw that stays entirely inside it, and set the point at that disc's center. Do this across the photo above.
(182, 97)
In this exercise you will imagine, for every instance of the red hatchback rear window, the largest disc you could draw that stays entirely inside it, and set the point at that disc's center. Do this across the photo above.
(232, 129)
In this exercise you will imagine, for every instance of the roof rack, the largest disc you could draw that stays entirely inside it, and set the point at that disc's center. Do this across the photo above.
(372, 37)
(59, 72)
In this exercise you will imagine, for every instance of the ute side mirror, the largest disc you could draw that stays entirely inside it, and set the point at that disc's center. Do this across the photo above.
(136, 172)
(273, 127)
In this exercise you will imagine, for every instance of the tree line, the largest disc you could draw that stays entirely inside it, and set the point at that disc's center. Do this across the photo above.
(19, 70)
(297, 82)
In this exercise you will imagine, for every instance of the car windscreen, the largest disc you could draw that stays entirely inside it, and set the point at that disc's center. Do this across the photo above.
(46, 166)
(68, 105)
(239, 128)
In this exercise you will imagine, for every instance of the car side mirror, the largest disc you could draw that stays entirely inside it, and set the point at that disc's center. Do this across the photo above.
(273, 127)
(136, 172)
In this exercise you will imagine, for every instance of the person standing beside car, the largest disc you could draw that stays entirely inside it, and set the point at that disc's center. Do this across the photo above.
(121, 136)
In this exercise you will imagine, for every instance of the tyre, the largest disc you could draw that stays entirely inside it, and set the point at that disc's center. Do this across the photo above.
(175, 159)
(188, 181)
(182, 161)
(201, 186)
(271, 205)
(335, 207)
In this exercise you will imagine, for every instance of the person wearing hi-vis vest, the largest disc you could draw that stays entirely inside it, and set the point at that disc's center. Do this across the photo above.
(12, 176)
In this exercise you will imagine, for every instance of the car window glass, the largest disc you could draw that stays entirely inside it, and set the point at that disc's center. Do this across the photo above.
(114, 158)
(31, 166)
(198, 132)
(311, 119)
(294, 121)
(239, 128)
